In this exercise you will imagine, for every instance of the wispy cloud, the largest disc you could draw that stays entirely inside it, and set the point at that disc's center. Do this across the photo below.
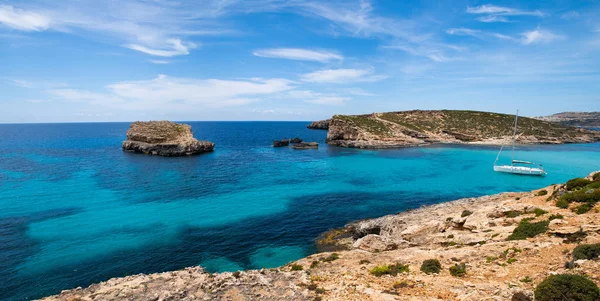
(160, 62)
(539, 36)
(175, 47)
(477, 33)
(341, 76)
(495, 13)
(433, 51)
(164, 92)
(322, 56)
(23, 20)
(318, 98)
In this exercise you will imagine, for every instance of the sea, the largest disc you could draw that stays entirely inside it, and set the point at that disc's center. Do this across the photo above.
(75, 209)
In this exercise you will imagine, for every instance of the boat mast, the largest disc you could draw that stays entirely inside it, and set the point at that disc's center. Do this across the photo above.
(514, 139)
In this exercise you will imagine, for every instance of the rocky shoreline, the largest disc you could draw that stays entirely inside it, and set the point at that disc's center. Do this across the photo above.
(496, 247)
(417, 128)
(164, 138)
(319, 125)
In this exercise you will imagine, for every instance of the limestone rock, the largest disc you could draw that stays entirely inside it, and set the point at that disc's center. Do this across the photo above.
(164, 138)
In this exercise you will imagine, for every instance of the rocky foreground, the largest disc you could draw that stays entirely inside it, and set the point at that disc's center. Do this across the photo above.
(413, 128)
(497, 247)
(164, 138)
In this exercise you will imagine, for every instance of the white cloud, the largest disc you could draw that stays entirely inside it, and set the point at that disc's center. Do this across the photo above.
(433, 53)
(341, 76)
(318, 98)
(463, 31)
(159, 62)
(538, 36)
(495, 13)
(499, 10)
(176, 47)
(492, 18)
(570, 15)
(165, 92)
(23, 20)
(299, 54)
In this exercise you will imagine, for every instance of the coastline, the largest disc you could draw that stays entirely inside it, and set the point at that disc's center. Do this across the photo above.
(496, 267)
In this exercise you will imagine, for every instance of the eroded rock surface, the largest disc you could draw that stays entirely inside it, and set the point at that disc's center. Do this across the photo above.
(164, 138)
(319, 125)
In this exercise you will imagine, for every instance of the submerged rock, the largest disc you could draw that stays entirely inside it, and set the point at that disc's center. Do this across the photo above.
(306, 145)
(319, 125)
(164, 138)
(281, 143)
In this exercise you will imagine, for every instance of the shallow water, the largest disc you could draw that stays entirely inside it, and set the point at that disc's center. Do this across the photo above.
(75, 209)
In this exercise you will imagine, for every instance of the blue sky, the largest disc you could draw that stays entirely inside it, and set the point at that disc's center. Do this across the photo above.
(71, 60)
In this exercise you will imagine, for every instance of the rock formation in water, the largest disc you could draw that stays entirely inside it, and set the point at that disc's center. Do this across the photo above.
(412, 128)
(319, 125)
(580, 119)
(281, 143)
(488, 248)
(164, 138)
(306, 145)
(295, 140)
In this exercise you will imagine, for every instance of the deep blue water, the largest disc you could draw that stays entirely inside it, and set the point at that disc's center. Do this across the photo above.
(75, 209)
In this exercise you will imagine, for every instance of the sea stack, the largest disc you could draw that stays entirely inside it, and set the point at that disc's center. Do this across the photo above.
(164, 138)
(319, 125)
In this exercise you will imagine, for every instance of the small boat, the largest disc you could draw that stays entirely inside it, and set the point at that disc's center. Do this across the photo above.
(519, 167)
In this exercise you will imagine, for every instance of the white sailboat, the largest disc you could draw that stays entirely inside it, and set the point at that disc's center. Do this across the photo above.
(519, 167)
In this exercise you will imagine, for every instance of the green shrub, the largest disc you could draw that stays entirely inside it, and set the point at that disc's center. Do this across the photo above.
(364, 261)
(296, 267)
(331, 257)
(466, 213)
(567, 287)
(458, 270)
(562, 204)
(577, 183)
(586, 251)
(512, 213)
(431, 266)
(236, 274)
(581, 209)
(393, 269)
(596, 176)
(526, 279)
(539, 211)
(555, 216)
(525, 229)
(314, 264)
(582, 196)
(594, 185)
(511, 260)
(542, 192)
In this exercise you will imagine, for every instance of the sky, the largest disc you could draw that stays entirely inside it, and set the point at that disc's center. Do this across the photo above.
(125, 60)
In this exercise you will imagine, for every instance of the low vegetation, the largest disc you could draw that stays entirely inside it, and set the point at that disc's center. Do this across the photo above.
(331, 257)
(567, 287)
(526, 229)
(542, 192)
(577, 183)
(393, 269)
(587, 251)
(458, 270)
(539, 212)
(431, 266)
(296, 267)
(466, 213)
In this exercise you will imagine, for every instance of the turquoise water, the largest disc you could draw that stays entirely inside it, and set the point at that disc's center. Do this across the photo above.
(75, 209)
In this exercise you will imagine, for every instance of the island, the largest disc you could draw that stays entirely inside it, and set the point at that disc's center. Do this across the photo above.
(419, 127)
(579, 119)
(319, 125)
(508, 246)
(164, 138)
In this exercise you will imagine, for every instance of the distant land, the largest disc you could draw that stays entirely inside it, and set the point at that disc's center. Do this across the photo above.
(419, 127)
(580, 119)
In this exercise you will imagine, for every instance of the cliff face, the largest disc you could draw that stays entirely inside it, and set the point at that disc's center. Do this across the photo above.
(380, 259)
(164, 138)
(581, 119)
(410, 128)
(319, 125)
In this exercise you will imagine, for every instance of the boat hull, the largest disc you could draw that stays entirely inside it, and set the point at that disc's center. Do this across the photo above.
(520, 170)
